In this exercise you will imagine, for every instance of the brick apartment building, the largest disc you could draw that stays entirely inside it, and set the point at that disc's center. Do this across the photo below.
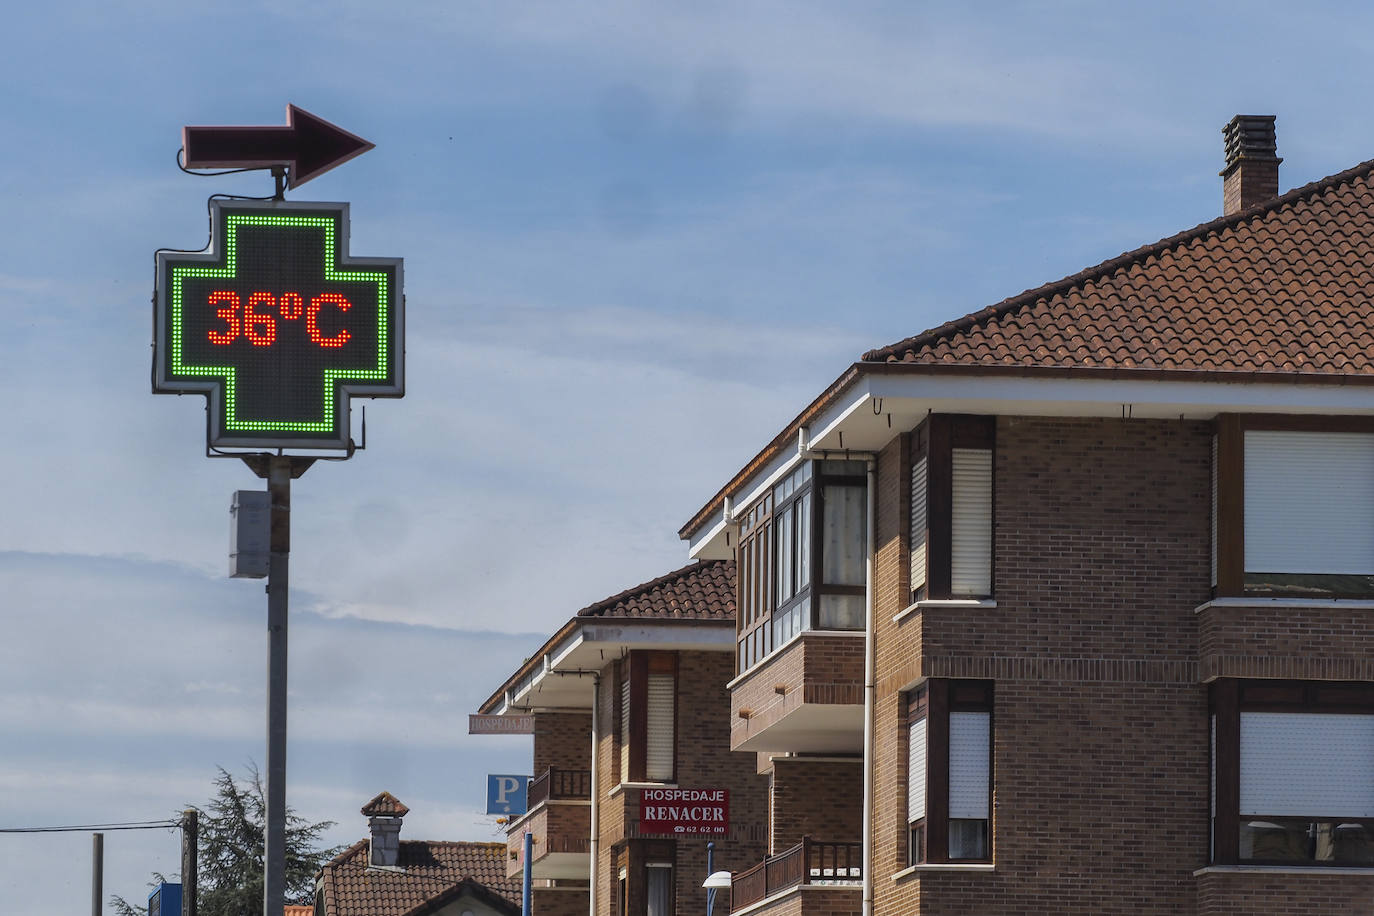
(628, 698)
(1065, 606)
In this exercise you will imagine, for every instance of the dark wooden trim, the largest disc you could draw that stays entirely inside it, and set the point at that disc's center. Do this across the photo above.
(1305, 696)
(1226, 832)
(937, 770)
(918, 447)
(903, 513)
(813, 551)
(970, 696)
(1304, 423)
(972, 431)
(915, 709)
(939, 508)
(1230, 506)
(639, 720)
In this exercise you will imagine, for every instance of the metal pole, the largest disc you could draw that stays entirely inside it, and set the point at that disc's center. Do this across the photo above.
(279, 491)
(97, 871)
(526, 893)
(710, 870)
(593, 867)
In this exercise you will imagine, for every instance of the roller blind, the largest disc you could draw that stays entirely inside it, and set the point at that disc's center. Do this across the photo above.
(970, 742)
(625, 728)
(1306, 765)
(1309, 502)
(971, 522)
(918, 522)
(659, 752)
(916, 772)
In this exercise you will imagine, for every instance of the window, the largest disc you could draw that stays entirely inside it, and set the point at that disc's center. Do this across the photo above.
(647, 731)
(1293, 507)
(949, 771)
(658, 888)
(802, 558)
(1292, 772)
(951, 507)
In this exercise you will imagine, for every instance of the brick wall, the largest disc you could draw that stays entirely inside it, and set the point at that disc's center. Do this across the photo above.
(1232, 894)
(819, 668)
(1101, 545)
(820, 799)
(811, 900)
(1301, 643)
(559, 901)
(611, 813)
(562, 740)
(704, 760)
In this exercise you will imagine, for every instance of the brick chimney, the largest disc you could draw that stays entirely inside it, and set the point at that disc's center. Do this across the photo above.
(1251, 175)
(384, 814)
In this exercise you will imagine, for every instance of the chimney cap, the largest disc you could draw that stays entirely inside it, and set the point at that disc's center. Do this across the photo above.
(385, 805)
(1249, 137)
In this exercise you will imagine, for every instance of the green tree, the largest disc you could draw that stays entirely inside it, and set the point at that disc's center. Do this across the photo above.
(230, 851)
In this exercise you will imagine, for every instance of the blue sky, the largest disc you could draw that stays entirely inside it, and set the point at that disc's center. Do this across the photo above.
(638, 239)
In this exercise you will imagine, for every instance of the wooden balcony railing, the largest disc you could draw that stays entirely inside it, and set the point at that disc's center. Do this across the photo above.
(560, 784)
(809, 862)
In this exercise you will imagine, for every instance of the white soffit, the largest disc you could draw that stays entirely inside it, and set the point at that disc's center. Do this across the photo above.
(881, 405)
(908, 398)
(564, 679)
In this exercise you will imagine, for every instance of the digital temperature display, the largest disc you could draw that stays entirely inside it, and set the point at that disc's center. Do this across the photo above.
(277, 325)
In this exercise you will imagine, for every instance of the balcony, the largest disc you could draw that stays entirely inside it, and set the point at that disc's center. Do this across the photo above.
(809, 877)
(559, 816)
(806, 697)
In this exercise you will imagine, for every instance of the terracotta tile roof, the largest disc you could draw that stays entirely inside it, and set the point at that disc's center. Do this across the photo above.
(701, 591)
(384, 805)
(1283, 287)
(292, 909)
(430, 873)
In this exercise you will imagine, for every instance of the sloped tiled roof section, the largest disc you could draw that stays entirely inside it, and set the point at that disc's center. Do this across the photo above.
(384, 805)
(1283, 288)
(427, 871)
(700, 591)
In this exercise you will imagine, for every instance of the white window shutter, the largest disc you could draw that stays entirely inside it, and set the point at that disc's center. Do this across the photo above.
(916, 772)
(625, 729)
(970, 757)
(971, 522)
(919, 473)
(1309, 502)
(1306, 765)
(661, 747)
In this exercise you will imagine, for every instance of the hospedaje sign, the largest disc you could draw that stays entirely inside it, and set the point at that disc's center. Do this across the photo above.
(675, 812)
(278, 325)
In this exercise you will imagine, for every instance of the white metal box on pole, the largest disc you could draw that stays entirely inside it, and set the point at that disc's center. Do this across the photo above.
(250, 527)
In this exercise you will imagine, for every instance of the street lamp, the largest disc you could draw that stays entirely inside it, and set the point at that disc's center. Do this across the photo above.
(715, 880)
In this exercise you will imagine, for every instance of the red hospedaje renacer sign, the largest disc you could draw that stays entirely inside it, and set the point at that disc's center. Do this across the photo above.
(674, 812)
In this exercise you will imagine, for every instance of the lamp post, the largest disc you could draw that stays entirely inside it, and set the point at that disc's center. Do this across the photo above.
(715, 880)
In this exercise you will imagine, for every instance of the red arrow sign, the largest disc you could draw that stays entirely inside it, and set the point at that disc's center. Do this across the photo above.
(308, 146)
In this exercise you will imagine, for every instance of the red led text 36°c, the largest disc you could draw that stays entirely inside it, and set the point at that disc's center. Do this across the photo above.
(255, 320)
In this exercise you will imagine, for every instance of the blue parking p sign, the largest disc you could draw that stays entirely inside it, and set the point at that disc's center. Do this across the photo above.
(506, 794)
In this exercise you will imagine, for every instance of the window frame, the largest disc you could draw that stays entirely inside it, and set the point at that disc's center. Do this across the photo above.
(636, 669)
(798, 501)
(935, 440)
(1228, 506)
(1228, 699)
(927, 839)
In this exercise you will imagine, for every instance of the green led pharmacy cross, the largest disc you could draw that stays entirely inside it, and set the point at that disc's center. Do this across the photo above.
(278, 326)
